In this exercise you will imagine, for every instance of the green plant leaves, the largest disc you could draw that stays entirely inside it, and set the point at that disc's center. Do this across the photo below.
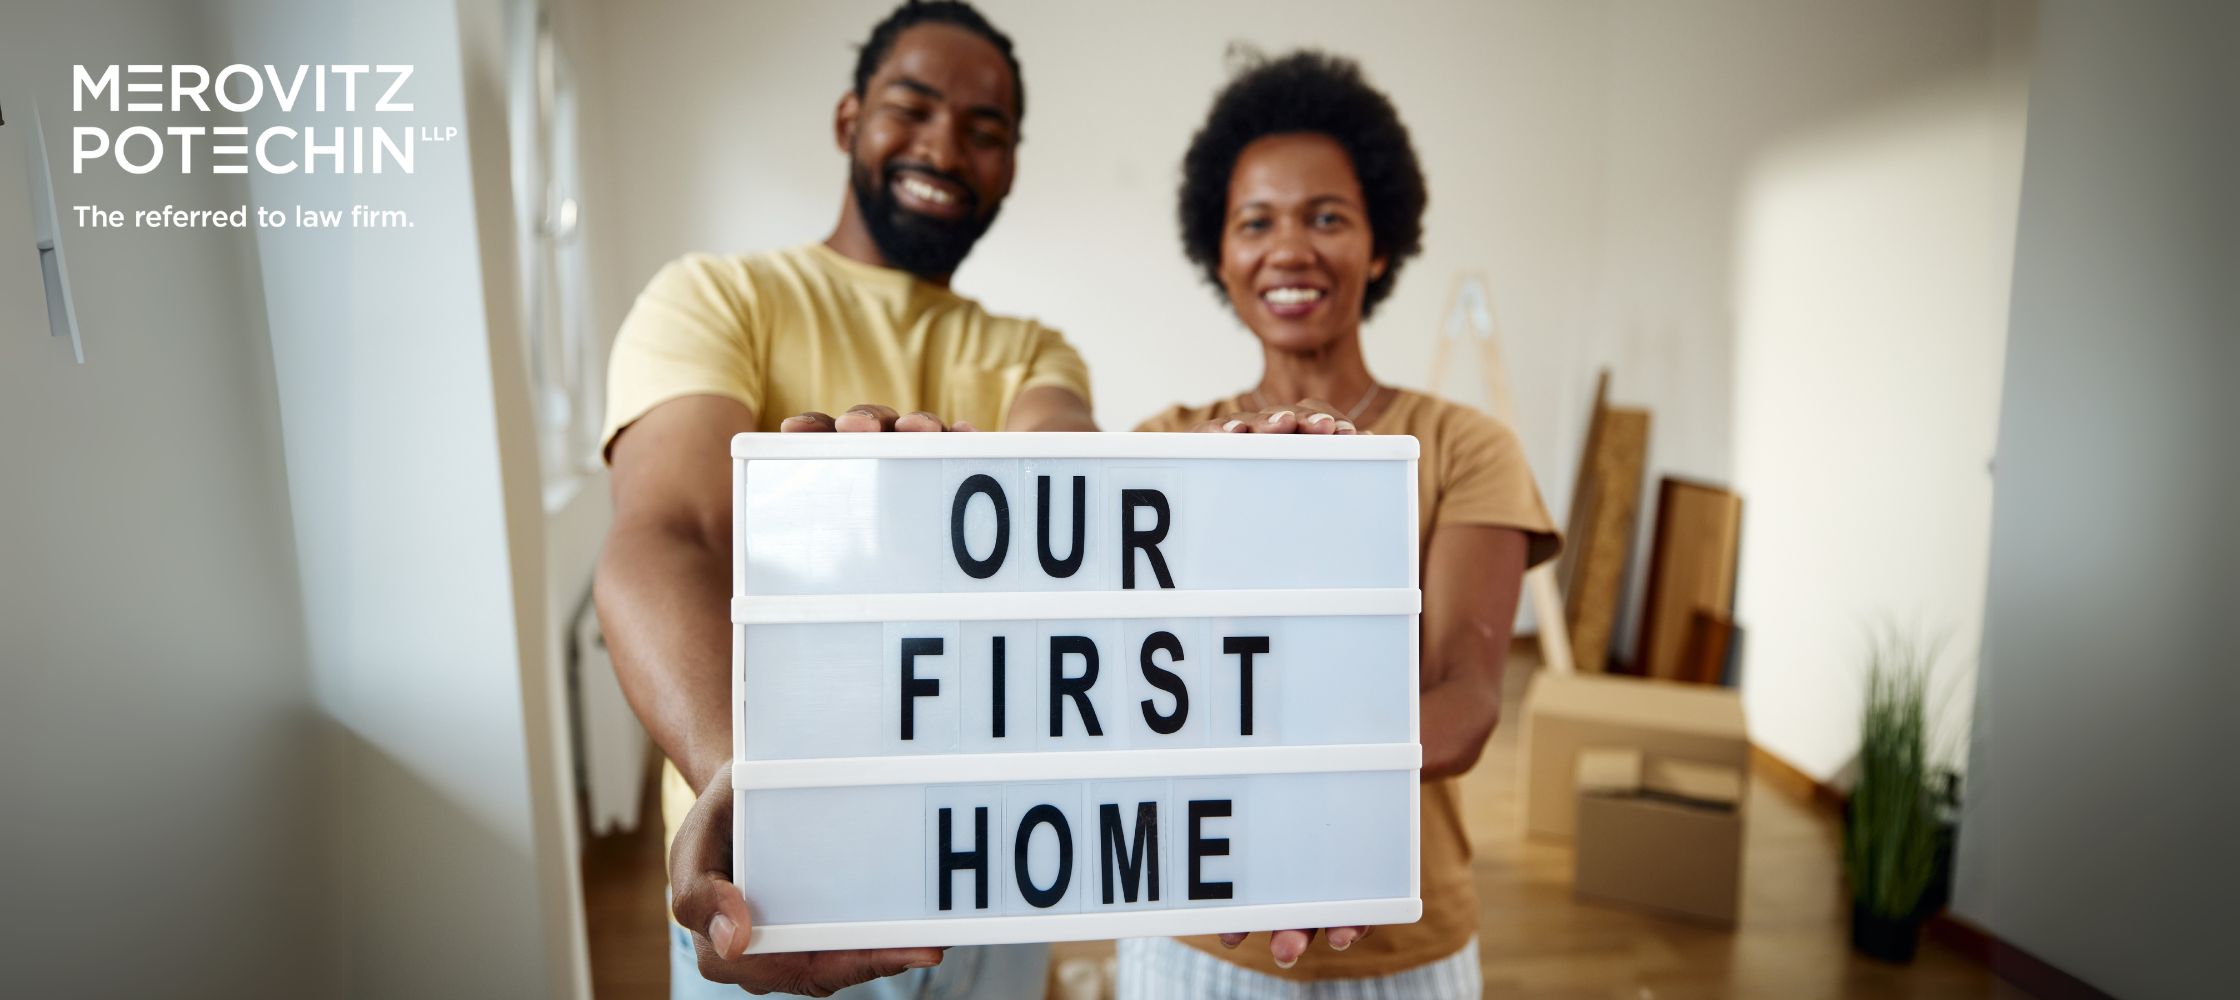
(1890, 842)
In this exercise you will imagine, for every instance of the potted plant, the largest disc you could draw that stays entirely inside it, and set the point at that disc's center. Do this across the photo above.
(1895, 821)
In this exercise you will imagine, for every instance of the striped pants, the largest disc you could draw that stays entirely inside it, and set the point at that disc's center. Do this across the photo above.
(1166, 969)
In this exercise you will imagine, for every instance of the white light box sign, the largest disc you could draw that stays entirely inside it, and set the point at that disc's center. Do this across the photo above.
(993, 688)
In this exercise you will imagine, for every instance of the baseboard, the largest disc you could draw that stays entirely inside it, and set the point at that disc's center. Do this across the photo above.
(2025, 971)
(1794, 781)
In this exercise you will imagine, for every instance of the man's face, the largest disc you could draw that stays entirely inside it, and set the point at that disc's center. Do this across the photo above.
(931, 146)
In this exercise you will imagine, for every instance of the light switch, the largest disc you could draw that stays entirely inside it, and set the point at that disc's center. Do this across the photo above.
(46, 236)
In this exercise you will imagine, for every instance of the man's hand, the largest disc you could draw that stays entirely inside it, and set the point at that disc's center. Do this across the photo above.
(869, 417)
(1307, 416)
(715, 911)
(1042, 408)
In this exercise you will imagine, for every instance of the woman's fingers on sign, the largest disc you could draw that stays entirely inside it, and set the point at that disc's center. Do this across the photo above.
(1307, 416)
(807, 422)
(919, 421)
(1318, 417)
(1232, 423)
(1287, 946)
(715, 911)
(1281, 420)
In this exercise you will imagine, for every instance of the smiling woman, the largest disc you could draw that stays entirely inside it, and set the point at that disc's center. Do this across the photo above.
(1307, 96)
(1297, 255)
(1300, 200)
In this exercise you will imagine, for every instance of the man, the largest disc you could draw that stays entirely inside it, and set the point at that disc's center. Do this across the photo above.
(716, 346)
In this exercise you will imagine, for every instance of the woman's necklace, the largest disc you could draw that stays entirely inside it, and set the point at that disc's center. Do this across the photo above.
(1352, 414)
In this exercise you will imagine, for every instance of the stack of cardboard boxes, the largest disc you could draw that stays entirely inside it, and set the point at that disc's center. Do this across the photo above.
(1647, 778)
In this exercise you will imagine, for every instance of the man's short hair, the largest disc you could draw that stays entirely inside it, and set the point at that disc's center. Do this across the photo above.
(953, 12)
(1317, 93)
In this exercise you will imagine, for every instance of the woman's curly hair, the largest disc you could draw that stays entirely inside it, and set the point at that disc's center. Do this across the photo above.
(1306, 91)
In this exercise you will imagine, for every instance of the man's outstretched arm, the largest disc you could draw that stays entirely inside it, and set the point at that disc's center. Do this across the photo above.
(1049, 408)
(663, 591)
(664, 584)
(664, 581)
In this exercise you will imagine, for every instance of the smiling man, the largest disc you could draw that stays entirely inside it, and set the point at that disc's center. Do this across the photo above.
(865, 320)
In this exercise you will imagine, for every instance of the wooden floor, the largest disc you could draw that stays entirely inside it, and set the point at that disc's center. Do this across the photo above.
(625, 914)
(1534, 939)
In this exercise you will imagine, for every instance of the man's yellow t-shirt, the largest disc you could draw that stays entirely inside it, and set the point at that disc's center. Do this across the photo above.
(808, 329)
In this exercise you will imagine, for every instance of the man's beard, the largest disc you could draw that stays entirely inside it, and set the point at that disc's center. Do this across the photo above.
(920, 244)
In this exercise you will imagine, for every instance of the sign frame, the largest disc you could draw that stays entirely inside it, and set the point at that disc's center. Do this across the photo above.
(1105, 764)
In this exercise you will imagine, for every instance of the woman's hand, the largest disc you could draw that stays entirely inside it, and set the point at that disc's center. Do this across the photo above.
(1307, 416)
(1287, 946)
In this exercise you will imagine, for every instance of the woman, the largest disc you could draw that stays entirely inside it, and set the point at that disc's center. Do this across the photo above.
(1301, 199)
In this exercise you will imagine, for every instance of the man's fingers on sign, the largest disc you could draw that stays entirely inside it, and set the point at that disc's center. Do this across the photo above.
(707, 904)
(867, 417)
(920, 421)
(809, 422)
(701, 894)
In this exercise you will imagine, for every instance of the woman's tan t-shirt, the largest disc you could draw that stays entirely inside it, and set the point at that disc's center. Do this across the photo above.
(1472, 471)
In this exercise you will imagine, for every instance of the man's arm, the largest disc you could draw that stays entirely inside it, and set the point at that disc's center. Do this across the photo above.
(1049, 408)
(663, 592)
(664, 579)
(664, 583)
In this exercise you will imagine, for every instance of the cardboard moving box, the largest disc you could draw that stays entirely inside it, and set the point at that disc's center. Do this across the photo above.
(1660, 833)
(1567, 713)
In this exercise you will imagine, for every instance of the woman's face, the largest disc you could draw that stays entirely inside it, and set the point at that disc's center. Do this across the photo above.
(1296, 252)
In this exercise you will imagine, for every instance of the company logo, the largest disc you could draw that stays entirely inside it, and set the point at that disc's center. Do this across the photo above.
(156, 89)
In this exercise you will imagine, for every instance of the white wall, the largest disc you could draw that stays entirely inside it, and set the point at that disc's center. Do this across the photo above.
(1673, 190)
(552, 542)
(2100, 820)
(283, 715)
(1871, 254)
(418, 535)
(161, 759)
